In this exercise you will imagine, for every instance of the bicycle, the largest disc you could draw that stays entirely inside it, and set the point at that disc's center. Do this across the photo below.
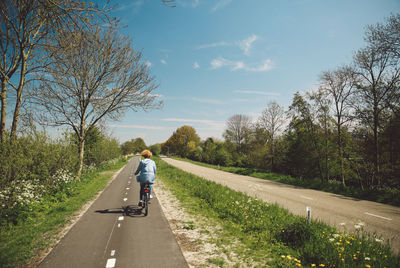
(146, 198)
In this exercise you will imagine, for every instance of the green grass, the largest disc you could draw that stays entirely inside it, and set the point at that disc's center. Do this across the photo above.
(20, 244)
(390, 196)
(268, 234)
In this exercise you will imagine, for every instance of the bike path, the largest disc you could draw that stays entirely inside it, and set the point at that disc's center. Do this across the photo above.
(105, 237)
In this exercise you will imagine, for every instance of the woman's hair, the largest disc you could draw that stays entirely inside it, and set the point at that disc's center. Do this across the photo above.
(146, 154)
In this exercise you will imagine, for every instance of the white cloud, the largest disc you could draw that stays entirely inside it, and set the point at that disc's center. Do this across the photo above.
(134, 126)
(211, 123)
(217, 44)
(220, 4)
(163, 61)
(246, 44)
(210, 101)
(196, 65)
(220, 62)
(254, 92)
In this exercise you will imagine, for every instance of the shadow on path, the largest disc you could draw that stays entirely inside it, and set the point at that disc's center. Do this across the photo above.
(130, 210)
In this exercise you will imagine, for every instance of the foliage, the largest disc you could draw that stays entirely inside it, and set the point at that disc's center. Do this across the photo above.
(282, 239)
(183, 142)
(155, 149)
(39, 223)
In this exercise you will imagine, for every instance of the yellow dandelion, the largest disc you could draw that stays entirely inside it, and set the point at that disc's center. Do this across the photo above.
(342, 259)
(288, 256)
(298, 264)
(322, 265)
(283, 256)
(367, 266)
(313, 265)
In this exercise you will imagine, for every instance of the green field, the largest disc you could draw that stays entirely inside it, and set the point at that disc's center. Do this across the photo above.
(23, 243)
(270, 235)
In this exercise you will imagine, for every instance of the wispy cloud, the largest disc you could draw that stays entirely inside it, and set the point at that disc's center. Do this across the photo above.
(147, 64)
(211, 123)
(254, 92)
(188, 3)
(163, 61)
(245, 44)
(220, 4)
(210, 101)
(217, 44)
(135, 126)
(196, 65)
(220, 62)
(134, 6)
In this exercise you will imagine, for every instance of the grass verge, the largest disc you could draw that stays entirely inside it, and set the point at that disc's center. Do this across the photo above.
(390, 196)
(21, 244)
(271, 235)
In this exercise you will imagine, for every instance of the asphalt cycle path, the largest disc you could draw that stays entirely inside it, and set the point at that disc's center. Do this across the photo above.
(343, 212)
(106, 237)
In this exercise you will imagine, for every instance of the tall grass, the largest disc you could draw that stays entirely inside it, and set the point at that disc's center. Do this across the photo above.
(21, 242)
(385, 195)
(272, 233)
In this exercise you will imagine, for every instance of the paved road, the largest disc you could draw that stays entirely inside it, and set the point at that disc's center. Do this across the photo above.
(343, 212)
(105, 237)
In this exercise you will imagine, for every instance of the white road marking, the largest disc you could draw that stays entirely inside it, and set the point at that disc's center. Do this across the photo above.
(127, 188)
(306, 197)
(111, 263)
(112, 253)
(129, 182)
(121, 218)
(126, 193)
(388, 219)
(119, 225)
(125, 199)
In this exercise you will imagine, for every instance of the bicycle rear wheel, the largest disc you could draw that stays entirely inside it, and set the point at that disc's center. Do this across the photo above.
(146, 204)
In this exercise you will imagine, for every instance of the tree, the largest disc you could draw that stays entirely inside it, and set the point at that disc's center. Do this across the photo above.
(26, 28)
(385, 37)
(155, 149)
(139, 145)
(302, 125)
(95, 77)
(183, 141)
(377, 84)
(272, 119)
(337, 85)
(238, 130)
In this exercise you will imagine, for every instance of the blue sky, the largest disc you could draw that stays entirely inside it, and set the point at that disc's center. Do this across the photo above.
(217, 58)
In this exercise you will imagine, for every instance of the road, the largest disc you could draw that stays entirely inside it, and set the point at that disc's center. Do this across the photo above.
(105, 237)
(342, 212)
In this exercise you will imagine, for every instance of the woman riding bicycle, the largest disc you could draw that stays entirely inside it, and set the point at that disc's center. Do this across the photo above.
(147, 169)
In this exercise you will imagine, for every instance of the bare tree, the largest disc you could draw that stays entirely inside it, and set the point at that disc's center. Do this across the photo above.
(377, 84)
(337, 85)
(386, 37)
(238, 130)
(26, 26)
(272, 119)
(95, 77)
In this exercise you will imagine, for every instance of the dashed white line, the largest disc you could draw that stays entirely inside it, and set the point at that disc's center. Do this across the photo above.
(388, 219)
(125, 199)
(121, 218)
(306, 197)
(112, 253)
(127, 188)
(119, 225)
(111, 263)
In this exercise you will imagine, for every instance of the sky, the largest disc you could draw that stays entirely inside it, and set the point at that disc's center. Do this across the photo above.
(213, 59)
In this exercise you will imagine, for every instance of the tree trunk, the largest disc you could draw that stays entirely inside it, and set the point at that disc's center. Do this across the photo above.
(81, 155)
(3, 110)
(340, 151)
(18, 102)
